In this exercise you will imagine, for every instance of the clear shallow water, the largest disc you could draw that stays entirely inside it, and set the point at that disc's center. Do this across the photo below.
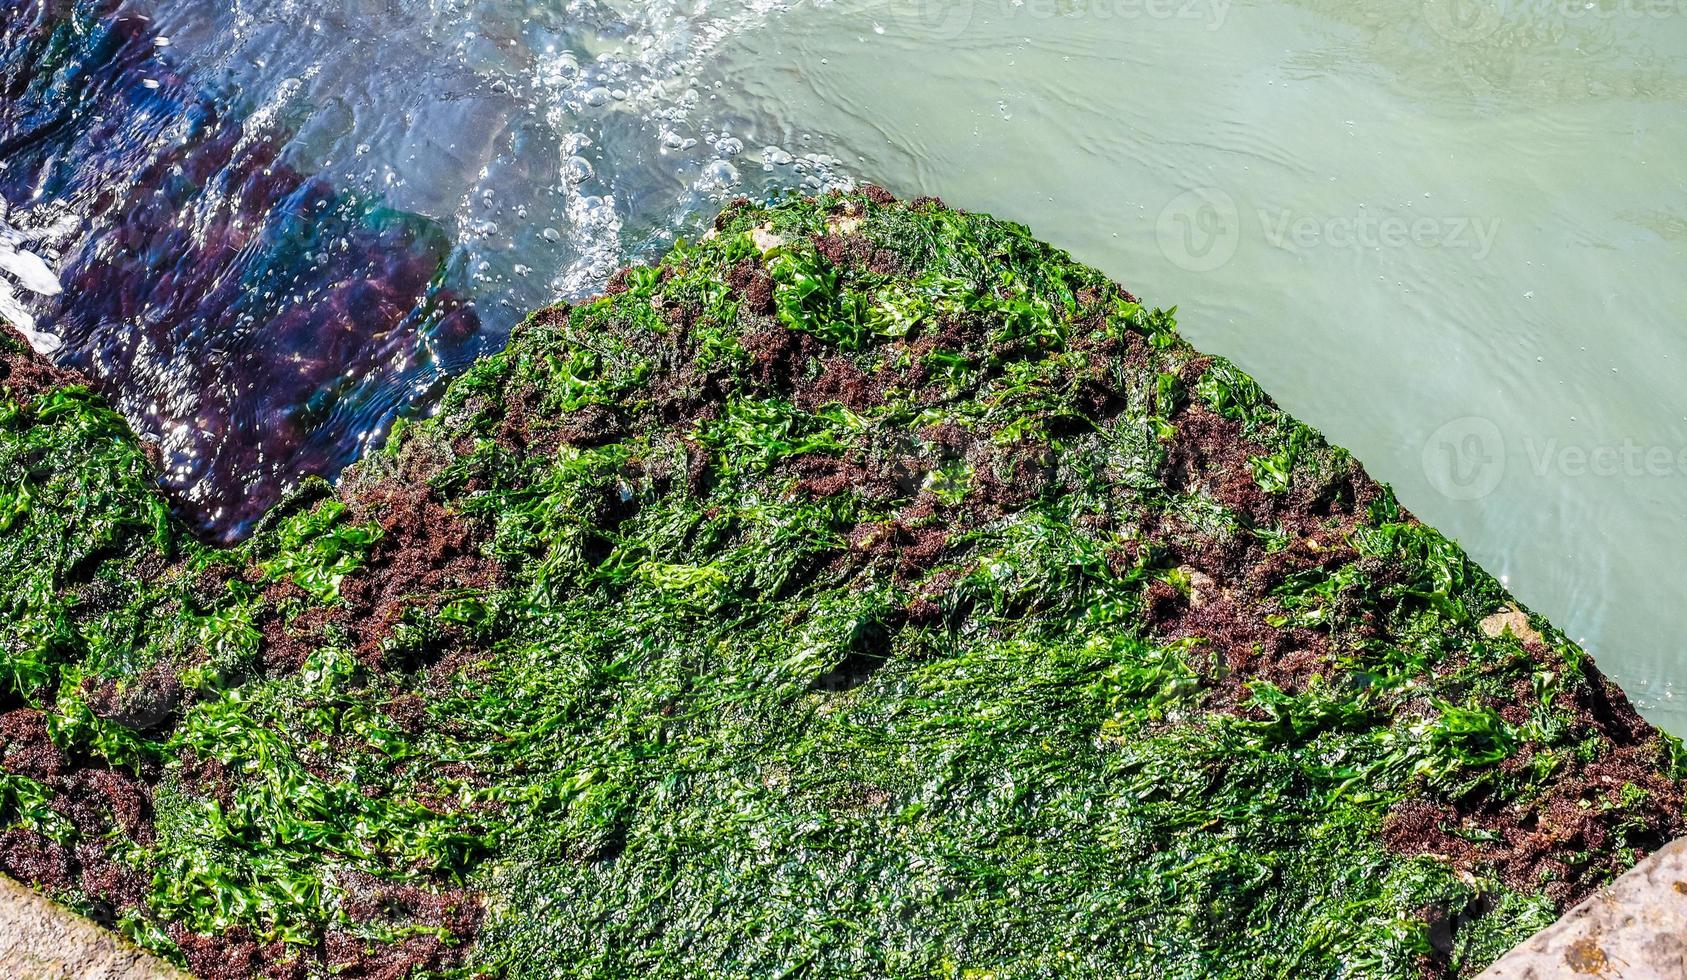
(1451, 235)
(265, 227)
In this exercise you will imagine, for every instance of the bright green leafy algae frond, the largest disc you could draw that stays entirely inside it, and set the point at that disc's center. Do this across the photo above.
(865, 590)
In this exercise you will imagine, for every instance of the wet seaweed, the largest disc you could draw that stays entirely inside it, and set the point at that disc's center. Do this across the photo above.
(864, 589)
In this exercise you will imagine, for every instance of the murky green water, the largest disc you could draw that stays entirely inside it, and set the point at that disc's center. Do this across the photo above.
(1452, 236)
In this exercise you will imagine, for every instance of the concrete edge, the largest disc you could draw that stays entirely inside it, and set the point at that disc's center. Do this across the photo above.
(40, 940)
(1633, 929)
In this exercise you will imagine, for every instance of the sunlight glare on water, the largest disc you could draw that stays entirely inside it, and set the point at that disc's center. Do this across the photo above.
(264, 227)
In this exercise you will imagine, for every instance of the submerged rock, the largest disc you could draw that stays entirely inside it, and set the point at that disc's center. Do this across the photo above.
(257, 321)
(865, 589)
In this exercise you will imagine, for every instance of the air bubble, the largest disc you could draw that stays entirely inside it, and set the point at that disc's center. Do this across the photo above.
(718, 175)
(577, 170)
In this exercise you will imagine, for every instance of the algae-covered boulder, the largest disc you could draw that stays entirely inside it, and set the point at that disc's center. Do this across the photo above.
(864, 590)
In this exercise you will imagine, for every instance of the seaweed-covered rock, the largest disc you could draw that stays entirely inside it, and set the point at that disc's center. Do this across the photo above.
(866, 589)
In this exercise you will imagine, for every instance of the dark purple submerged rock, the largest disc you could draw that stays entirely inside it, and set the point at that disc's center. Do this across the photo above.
(258, 323)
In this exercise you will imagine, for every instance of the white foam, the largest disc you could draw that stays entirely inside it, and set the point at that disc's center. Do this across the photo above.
(30, 270)
(23, 272)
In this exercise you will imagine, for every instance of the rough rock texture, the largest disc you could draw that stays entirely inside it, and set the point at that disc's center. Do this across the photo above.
(43, 941)
(1636, 929)
(865, 589)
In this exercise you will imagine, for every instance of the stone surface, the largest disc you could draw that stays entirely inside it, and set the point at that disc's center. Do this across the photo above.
(1514, 621)
(764, 238)
(1634, 930)
(42, 941)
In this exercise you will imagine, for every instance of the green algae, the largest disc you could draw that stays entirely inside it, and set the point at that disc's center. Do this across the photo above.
(877, 592)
